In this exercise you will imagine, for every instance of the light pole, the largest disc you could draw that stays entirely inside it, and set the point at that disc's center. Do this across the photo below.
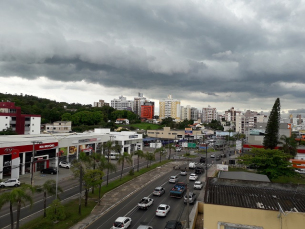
(32, 160)
(206, 161)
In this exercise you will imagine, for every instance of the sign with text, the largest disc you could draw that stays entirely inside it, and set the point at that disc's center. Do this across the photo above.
(221, 167)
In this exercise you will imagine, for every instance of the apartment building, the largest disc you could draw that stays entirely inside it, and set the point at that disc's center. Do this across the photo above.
(185, 112)
(148, 110)
(11, 117)
(59, 127)
(100, 103)
(194, 114)
(248, 120)
(137, 103)
(122, 104)
(208, 114)
(169, 108)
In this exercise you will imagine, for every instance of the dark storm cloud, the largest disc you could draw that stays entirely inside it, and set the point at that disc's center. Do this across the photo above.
(248, 48)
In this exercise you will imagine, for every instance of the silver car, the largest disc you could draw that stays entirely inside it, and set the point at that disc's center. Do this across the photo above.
(158, 191)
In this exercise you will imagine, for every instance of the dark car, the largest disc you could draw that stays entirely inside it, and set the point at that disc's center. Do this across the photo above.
(202, 160)
(217, 158)
(199, 170)
(50, 170)
(223, 155)
(173, 224)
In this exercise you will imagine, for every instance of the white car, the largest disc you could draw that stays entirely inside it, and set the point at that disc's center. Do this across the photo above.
(122, 223)
(212, 155)
(158, 191)
(163, 210)
(192, 165)
(65, 164)
(13, 182)
(183, 173)
(302, 171)
(198, 185)
(173, 179)
(178, 149)
(193, 176)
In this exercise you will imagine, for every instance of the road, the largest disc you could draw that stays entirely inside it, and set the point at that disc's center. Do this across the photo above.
(71, 189)
(129, 206)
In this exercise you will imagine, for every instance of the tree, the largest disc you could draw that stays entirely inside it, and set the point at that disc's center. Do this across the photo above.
(108, 147)
(214, 125)
(272, 128)
(139, 153)
(149, 157)
(289, 145)
(48, 188)
(56, 211)
(122, 158)
(18, 196)
(170, 147)
(92, 178)
(161, 152)
(271, 162)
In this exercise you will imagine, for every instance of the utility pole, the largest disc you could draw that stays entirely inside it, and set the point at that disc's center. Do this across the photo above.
(188, 197)
(80, 189)
(32, 161)
(206, 162)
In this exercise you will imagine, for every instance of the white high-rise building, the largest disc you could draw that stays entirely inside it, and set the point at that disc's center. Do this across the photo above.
(137, 103)
(186, 112)
(122, 104)
(208, 114)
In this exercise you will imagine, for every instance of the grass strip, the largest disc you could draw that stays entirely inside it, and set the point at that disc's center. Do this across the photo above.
(71, 207)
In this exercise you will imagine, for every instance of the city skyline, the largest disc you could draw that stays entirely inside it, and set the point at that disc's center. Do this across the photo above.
(220, 53)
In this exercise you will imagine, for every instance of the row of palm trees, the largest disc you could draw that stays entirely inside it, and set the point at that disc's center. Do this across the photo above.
(24, 194)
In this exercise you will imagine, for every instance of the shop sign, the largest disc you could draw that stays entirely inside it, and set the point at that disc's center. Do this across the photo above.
(87, 140)
(40, 158)
(133, 136)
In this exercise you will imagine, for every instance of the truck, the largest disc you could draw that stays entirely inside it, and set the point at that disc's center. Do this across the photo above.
(145, 203)
(178, 190)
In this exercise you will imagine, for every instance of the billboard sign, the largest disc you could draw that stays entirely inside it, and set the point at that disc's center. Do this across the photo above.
(188, 131)
(221, 167)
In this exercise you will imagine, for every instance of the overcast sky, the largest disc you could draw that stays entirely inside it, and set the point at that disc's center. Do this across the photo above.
(243, 54)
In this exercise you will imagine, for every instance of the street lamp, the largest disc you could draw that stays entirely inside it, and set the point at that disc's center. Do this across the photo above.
(32, 160)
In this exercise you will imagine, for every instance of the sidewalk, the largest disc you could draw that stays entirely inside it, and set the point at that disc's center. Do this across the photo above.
(114, 197)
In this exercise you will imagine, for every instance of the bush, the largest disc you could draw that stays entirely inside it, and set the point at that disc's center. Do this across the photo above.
(56, 211)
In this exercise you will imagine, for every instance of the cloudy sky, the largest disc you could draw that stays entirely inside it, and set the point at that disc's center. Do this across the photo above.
(203, 52)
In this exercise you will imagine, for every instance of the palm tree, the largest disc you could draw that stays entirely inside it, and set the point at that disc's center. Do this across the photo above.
(170, 147)
(108, 147)
(122, 158)
(161, 152)
(289, 145)
(18, 196)
(48, 188)
(149, 157)
(139, 153)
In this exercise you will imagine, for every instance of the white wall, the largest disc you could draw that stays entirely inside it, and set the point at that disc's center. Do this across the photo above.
(4, 122)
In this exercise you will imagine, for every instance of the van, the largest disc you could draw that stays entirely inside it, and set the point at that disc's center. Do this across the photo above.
(192, 165)
(113, 156)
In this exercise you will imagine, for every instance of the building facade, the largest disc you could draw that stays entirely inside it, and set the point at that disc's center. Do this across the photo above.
(11, 117)
(169, 108)
(122, 104)
(137, 103)
(59, 127)
(185, 113)
(100, 103)
(194, 114)
(148, 110)
(208, 114)
(248, 120)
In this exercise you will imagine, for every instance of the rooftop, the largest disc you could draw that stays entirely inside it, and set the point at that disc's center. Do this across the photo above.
(243, 176)
(256, 195)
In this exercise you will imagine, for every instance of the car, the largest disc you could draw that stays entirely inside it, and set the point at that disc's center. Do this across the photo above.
(158, 191)
(173, 179)
(192, 165)
(50, 170)
(13, 182)
(192, 198)
(301, 171)
(173, 224)
(198, 185)
(202, 160)
(212, 155)
(199, 170)
(122, 223)
(193, 176)
(217, 158)
(178, 149)
(183, 173)
(223, 155)
(65, 164)
(163, 210)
